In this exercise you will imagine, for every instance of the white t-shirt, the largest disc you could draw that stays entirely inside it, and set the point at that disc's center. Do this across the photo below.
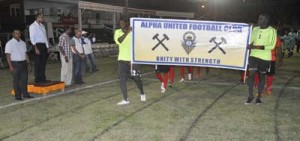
(78, 44)
(87, 46)
(16, 49)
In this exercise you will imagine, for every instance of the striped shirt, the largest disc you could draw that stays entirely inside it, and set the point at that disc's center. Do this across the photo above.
(64, 42)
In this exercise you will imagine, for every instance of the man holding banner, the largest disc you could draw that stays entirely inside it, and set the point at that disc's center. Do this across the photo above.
(122, 38)
(263, 41)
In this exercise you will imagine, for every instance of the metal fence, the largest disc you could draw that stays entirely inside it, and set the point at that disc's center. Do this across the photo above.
(105, 50)
(99, 50)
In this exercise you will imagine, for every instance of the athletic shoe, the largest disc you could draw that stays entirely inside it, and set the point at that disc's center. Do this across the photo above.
(269, 92)
(162, 86)
(143, 97)
(163, 90)
(190, 76)
(249, 100)
(258, 101)
(123, 102)
(181, 80)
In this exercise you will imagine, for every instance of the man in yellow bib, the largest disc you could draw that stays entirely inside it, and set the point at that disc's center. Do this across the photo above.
(122, 38)
(263, 41)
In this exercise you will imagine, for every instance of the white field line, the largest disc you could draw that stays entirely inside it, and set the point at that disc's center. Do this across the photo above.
(63, 93)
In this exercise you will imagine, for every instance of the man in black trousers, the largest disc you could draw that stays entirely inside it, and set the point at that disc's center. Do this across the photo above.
(17, 59)
(39, 40)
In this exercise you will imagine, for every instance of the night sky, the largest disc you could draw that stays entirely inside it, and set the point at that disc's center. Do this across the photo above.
(282, 11)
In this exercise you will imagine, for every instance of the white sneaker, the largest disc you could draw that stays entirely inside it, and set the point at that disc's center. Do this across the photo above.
(123, 102)
(162, 86)
(163, 90)
(190, 76)
(181, 80)
(143, 97)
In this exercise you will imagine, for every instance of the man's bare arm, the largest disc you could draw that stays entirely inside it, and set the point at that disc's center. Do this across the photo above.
(76, 51)
(11, 68)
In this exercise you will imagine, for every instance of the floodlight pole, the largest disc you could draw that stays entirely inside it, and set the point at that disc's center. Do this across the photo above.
(126, 8)
(215, 9)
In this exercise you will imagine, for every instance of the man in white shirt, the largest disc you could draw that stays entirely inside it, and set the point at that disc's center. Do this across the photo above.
(76, 44)
(17, 59)
(89, 54)
(39, 40)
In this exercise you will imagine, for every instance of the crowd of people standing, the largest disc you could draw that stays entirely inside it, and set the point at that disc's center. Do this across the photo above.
(75, 52)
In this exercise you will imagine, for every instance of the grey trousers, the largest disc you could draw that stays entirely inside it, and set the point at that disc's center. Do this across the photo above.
(125, 73)
(20, 79)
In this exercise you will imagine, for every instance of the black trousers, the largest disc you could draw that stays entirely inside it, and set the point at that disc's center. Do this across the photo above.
(40, 63)
(20, 79)
(125, 73)
(298, 46)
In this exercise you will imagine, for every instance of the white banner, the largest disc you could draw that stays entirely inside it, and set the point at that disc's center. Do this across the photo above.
(190, 43)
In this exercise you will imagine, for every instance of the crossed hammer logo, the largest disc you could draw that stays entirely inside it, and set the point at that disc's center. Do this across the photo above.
(217, 44)
(160, 42)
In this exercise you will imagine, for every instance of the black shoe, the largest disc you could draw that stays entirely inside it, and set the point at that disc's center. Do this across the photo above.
(290, 54)
(39, 84)
(258, 101)
(249, 100)
(95, 70)
(19, 99)
(77, 83)
(29, 96)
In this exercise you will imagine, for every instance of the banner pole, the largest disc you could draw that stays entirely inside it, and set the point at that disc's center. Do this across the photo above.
(248, 54)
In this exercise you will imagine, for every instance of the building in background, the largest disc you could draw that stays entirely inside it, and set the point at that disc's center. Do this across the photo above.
(60, 13)
(100, 16)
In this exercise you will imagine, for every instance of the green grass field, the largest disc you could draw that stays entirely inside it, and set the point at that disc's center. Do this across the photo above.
(208, 109)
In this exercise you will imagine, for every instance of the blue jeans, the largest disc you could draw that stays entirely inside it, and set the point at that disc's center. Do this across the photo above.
(77, 64)
(89, 58)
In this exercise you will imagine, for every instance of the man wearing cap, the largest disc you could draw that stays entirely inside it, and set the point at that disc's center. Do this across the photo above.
(89, 54)
(17, 60)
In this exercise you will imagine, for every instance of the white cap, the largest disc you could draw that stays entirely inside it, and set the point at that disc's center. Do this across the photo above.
(83, 32)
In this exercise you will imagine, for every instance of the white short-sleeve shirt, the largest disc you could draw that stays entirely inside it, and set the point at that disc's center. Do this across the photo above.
(16, 49)
(87, 46)
(78, 44)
